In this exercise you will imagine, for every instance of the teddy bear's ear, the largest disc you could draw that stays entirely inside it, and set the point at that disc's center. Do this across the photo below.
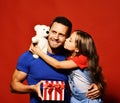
(36, 27)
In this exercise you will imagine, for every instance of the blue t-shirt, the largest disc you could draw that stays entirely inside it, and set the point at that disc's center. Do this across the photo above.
(38, 69)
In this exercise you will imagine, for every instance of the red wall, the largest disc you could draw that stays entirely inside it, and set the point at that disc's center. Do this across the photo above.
(101, 18)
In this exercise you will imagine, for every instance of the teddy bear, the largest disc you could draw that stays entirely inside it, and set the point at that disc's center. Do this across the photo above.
(40, 38)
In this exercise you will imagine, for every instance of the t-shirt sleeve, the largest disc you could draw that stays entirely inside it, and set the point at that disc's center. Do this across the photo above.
(81, 61)
(23, 62)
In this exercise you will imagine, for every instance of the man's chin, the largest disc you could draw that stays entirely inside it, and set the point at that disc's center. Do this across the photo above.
(56, 47)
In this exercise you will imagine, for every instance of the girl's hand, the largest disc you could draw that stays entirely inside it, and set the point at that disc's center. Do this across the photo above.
(34, 49)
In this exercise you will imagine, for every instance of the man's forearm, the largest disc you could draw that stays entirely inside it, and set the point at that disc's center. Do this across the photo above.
(21, 88)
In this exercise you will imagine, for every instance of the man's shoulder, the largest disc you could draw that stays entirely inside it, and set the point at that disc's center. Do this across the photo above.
(26, 55)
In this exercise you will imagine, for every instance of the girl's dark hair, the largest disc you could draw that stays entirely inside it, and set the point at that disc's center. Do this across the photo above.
(86, 46)
(65, 21)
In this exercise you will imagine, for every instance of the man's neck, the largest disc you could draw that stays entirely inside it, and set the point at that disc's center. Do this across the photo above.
(54, 51)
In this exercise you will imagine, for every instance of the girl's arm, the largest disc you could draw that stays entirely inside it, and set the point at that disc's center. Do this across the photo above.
(66, 64)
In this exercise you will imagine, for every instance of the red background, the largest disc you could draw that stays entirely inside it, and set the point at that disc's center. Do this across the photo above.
(101, 18)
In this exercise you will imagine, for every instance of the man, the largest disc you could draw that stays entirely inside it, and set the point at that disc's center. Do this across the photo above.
(35, 70)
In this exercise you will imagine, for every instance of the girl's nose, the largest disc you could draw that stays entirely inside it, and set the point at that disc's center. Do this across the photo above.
(67, 39)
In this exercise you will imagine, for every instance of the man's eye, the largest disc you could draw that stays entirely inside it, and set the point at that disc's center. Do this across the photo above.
(53, 32)
(61, 35)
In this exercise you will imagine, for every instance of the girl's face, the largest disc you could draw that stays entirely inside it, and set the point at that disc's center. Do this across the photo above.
(70, 43)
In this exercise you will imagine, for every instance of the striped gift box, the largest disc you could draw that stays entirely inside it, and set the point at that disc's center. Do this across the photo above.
(53, 90)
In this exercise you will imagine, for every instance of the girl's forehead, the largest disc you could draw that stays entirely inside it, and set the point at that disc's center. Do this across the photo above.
(73, 34)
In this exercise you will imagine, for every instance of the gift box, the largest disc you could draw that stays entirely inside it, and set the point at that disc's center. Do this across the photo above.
(53, 90)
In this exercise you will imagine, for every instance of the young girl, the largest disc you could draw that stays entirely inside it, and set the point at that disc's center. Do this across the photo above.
(83, 64)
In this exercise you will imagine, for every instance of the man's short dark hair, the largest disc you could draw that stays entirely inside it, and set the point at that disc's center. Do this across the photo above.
(65, 21)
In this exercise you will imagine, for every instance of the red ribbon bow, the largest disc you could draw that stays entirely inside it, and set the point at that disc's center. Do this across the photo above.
(51, 86)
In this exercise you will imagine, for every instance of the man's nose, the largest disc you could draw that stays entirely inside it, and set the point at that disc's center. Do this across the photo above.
(56, 36)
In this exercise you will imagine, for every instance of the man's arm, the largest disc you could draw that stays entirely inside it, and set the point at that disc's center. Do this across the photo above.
(94, 91)
(17, 85)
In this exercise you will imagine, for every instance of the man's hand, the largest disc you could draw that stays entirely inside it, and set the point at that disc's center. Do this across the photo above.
(36, 88)
(93, 92)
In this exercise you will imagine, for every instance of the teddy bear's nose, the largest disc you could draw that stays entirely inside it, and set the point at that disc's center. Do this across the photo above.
(47, 32)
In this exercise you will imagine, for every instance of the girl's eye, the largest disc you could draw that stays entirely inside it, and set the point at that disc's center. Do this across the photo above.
(70, 40)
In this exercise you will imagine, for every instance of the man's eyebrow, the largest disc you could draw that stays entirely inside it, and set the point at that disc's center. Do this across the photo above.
(53, 30)
(62, 34)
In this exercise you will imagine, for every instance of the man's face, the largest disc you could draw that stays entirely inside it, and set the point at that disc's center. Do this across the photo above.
(57, 35)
